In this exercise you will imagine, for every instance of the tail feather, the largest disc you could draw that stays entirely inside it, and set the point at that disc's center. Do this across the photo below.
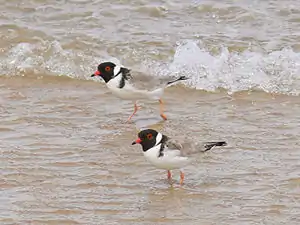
(210, 145)
(157, 93)
(178, 79)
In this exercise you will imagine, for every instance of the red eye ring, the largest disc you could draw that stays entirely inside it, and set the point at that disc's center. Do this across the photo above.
(149, 136)
(107, 68)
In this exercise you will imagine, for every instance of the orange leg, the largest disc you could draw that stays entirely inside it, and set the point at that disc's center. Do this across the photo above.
(161, 107)
(169, 174)
(134, 112)
(181, 177)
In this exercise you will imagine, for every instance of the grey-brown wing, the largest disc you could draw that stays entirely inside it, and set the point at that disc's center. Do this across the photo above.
(142, 81)
(174, 144)
(189, 147)
(172, 148)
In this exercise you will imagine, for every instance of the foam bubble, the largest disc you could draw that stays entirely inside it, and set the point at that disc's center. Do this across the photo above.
(274, 72)
(48, 58)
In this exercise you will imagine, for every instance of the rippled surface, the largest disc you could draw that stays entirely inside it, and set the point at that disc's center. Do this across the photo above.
(66, 154)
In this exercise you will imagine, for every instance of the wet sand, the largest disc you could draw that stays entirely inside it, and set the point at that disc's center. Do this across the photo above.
(66, 157)
(65, 152)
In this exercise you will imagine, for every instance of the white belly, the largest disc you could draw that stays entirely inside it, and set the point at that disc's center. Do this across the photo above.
(130, 93)
(169, 164)
(165, 162)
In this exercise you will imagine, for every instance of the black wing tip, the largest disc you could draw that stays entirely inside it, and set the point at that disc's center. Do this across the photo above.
(178, 79)
(208, 146)
(221, 143)
(183, 78)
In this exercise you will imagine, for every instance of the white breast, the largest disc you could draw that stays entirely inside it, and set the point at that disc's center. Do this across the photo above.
(128, 91)
(167, 161)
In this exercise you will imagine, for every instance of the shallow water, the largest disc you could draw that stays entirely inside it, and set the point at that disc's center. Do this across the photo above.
(66, 154)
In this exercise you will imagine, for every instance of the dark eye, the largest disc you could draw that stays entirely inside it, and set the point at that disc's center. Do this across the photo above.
(107, 68)
(149, 136)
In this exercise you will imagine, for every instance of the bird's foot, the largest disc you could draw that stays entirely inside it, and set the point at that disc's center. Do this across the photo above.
(181, 178)
(163, 116)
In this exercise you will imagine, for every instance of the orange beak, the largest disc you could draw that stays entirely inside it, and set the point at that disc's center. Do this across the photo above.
(97, 73)
(137, 141)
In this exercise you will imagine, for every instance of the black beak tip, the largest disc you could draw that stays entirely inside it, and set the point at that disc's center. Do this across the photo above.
(92, 75)
(133, 143)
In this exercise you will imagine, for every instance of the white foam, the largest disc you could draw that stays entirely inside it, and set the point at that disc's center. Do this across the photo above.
(273, 72)
(48, 58)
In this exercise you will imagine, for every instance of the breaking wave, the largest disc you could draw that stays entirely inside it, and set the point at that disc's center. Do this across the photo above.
(273, 72)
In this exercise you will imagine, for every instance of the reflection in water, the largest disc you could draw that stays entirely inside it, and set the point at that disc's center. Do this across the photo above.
(75, 164)
(65, 151)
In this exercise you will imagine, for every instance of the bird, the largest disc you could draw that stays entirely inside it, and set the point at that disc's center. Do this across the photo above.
(166, 153)
(122, 84)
